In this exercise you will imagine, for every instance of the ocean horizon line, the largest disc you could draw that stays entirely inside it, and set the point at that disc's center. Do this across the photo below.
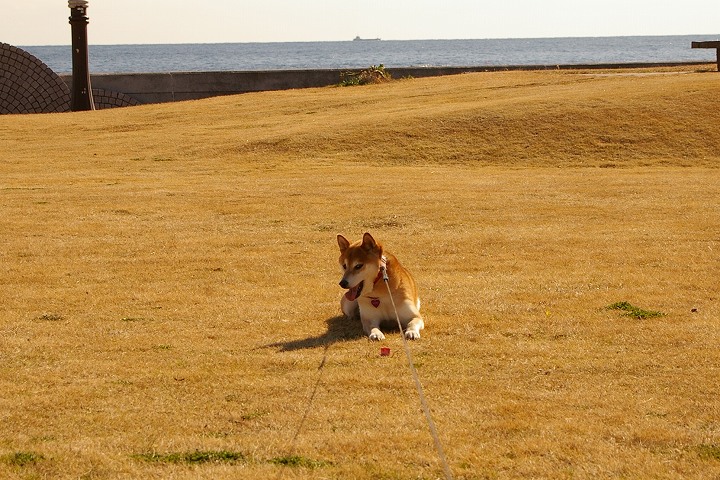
(349, 54)
(350, 40)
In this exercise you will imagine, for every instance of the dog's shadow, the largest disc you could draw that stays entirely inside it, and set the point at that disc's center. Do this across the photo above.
(339, 329)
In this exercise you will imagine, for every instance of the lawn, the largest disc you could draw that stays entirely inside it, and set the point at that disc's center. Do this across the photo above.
(169, 305)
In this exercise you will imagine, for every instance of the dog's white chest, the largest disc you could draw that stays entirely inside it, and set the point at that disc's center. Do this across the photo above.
(375, 307)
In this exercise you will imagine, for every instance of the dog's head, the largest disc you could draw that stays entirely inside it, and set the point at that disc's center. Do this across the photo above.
(360, 263)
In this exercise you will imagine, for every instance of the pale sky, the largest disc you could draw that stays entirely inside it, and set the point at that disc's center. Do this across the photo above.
(45, 22)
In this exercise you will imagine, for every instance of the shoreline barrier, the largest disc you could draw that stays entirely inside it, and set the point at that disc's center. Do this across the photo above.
(179, 86)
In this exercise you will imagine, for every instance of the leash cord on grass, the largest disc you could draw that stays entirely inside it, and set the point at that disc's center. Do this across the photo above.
(308, 406)
(418, 386)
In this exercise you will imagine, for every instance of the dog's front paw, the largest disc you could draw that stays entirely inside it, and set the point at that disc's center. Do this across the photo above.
(376, 334)
(412, 334)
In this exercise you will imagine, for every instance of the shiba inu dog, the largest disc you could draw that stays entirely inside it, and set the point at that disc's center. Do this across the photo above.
(367, 296)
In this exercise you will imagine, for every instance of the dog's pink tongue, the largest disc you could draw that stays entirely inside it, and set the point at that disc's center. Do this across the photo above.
(352, 293)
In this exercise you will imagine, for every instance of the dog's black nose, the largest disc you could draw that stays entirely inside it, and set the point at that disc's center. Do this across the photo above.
(344, 283)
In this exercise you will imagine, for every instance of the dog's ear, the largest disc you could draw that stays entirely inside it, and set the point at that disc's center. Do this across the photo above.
(370, 245)
(342, 243)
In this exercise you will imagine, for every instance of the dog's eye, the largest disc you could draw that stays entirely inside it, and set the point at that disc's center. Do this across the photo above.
(344, 267)
(358, 266)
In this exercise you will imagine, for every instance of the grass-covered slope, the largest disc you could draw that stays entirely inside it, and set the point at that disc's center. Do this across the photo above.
(169, 297)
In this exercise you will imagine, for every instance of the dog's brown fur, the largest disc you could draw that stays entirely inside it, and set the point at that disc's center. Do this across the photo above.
(367, 296)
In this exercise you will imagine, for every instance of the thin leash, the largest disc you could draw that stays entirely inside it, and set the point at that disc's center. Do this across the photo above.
(308, 406)
(312, 397)
(418, 385)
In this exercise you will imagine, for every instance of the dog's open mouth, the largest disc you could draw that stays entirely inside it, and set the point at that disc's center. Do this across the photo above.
(354, 292)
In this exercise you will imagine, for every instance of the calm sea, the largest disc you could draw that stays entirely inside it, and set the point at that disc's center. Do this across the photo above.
(391, 53)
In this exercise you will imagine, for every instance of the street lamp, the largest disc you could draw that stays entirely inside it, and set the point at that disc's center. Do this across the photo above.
(81, 98)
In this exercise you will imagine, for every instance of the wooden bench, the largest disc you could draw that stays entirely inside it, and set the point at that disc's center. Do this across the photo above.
(714, 44)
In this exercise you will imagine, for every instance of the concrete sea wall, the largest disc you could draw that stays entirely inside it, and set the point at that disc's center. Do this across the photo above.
(177, 86)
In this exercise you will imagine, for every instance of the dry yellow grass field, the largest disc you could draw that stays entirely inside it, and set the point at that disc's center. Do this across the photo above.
(169, 298)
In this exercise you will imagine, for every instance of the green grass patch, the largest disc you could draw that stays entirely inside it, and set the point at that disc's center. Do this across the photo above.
(21, 459)
(199, 457)
(297, 461)
(709, 452)
(633, 311)
(252, 415)
(372, 75)
(193, 458)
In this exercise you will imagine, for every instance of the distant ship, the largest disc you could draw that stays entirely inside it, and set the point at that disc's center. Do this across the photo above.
(358, 39)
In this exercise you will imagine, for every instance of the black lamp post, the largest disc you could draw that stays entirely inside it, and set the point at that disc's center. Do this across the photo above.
(81, 98)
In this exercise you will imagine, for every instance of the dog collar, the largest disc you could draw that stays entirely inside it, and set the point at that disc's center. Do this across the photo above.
(383, 266)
